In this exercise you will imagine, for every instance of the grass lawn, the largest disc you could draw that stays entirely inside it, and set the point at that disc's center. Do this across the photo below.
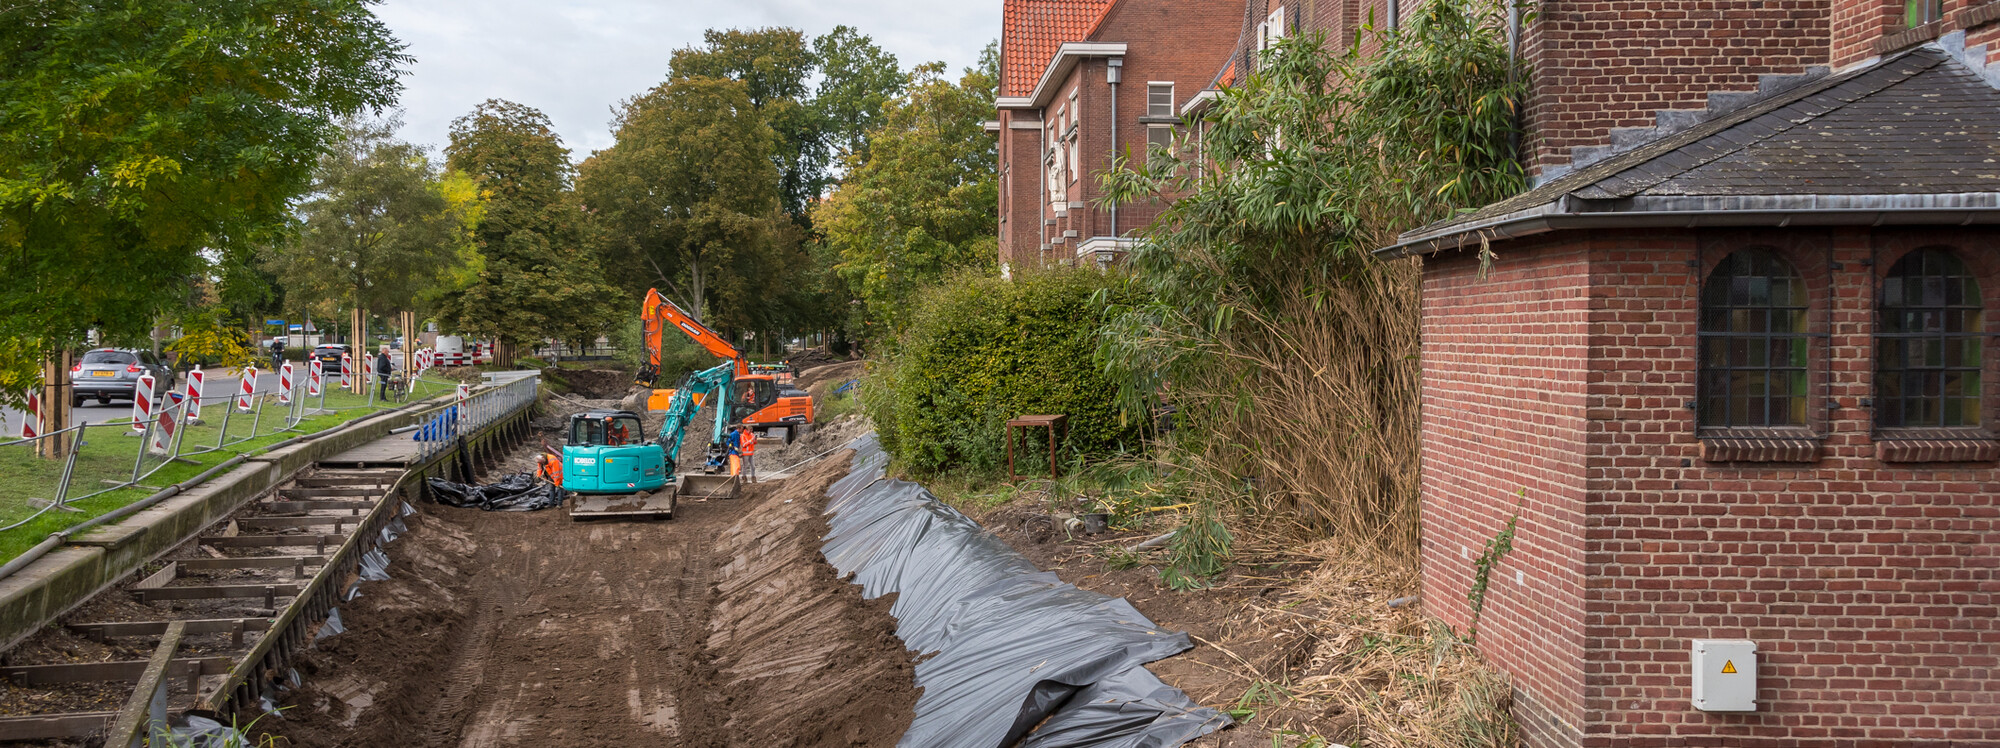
(106, 458)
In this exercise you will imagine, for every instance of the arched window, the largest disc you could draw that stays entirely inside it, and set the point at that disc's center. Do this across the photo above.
(1753, 343)
(1929, 343)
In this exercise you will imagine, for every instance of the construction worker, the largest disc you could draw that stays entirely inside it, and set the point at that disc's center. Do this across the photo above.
(734, 443)
(746, 440)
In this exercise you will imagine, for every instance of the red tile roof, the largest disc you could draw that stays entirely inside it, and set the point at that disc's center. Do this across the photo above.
(1032, 31)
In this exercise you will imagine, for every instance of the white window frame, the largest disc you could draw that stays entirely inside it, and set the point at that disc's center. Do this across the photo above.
(1272, 29)
(1152, 87)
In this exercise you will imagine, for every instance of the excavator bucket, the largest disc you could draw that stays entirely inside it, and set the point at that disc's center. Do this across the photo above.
(643, 505)
(709, 486)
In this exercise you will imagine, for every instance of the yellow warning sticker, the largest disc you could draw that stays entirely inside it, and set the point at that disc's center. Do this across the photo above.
(1729, 666)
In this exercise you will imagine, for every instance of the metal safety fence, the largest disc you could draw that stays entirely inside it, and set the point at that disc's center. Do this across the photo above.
(63, 470)
(475, 408)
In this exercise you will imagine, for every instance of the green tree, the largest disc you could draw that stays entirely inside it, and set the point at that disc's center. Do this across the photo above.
(774, 66)
(918, 203)
(136, 135)
(539, 276)
(689, 195)
(377, 231)
(857, 80)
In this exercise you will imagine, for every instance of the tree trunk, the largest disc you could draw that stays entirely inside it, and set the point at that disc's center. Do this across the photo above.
(698, 286)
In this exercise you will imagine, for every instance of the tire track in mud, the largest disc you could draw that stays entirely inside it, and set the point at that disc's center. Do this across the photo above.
(611, 633)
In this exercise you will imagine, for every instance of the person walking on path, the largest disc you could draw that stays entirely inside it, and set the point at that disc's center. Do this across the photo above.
(383, 368)
(746, 443)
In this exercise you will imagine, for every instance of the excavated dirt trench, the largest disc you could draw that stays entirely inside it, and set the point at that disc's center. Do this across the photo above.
(720, 627)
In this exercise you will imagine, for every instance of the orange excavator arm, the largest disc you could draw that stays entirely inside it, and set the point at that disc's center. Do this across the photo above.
(656, 313)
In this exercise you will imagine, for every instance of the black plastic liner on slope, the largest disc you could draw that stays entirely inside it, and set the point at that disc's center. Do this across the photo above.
(518, 492)
(1021, 655)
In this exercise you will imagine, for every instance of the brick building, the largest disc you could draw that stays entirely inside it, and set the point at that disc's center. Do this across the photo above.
(1733, 373)
(1083, 81)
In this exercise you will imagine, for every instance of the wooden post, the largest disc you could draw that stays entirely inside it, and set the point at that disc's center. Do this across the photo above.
(357, 347)
(57, 389)
(409, 325)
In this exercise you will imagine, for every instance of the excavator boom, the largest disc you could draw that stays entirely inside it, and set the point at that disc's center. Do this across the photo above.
(656, 313)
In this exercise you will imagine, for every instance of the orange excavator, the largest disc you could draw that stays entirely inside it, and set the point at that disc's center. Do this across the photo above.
(757, 400)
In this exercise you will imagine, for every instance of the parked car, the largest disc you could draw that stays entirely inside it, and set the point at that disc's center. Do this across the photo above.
(329, 357)
(108, 373)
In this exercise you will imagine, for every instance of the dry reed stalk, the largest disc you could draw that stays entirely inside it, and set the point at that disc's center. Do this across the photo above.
(1317, 402)
(1354, 671)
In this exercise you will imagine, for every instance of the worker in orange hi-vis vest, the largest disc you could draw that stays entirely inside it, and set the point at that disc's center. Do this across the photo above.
(747, 444)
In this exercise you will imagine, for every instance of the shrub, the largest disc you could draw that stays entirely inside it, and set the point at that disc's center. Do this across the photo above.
(979, 350)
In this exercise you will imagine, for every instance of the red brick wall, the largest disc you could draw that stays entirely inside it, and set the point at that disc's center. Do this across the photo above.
(1858, 23)
(1869, 587)
(1487, 438)
(1600, 64)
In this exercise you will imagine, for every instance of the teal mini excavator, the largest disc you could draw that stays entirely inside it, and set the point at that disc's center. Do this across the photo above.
(615, 472)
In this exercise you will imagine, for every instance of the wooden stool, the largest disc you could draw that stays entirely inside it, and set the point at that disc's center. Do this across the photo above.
(1049, 422)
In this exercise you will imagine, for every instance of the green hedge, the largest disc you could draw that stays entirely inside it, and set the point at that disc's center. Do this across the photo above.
(980, 350)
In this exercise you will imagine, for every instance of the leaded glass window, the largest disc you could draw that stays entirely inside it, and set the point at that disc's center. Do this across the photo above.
(1930, 343)
(1753, 343)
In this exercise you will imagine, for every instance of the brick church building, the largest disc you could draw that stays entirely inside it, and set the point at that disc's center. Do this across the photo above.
(1732, 364)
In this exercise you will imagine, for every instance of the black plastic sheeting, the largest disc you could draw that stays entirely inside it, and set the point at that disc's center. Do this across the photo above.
(1021, 656)
(519, 492)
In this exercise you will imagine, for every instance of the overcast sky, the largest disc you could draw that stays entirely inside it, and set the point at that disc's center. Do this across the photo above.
(576, 59)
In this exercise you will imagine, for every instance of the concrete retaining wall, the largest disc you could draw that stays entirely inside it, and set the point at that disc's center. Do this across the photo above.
(97, 559)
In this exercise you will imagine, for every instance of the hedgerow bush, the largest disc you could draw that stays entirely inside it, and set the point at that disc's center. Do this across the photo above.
(979, 350)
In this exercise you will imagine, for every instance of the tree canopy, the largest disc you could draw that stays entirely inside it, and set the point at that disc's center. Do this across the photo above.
(918, 202)
(774, 65)
(687, 195)
(539, 276)
(378, 230)
(139, 140)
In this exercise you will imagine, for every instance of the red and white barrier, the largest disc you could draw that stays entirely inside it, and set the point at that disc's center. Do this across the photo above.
(142, 403)
(464, 390)
(346, 370)
(315, 378)
(31, 423)
(163, 434)
(195, 380)
(248, 390)
(285, 383)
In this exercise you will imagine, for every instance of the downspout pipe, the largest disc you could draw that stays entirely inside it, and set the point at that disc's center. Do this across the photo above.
(1114, 70)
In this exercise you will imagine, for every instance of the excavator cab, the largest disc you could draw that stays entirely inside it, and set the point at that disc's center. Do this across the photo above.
(607, 453)
(752, 394)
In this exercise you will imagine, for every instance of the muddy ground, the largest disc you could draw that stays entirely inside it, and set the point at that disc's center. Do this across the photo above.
(719, 627)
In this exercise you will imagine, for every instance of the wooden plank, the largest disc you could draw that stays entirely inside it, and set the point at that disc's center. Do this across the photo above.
(156, 628)
(146, 709)
(159, 578)
(286, 523)
(264, 541)
(379, 480)
(250, 562)
(46, 726)
(293, 507)
(220, 592)
(97, 672)
(315, 493)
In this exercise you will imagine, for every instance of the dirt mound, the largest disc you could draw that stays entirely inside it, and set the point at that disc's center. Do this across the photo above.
(819, 378)
(599, 384)
(811, 357)
(797, 657)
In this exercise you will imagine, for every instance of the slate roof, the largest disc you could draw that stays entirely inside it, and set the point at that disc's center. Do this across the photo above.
(1917, 132)
(1032, 30)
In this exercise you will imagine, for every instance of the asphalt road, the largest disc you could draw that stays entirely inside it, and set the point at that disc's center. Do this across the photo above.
(214, 388)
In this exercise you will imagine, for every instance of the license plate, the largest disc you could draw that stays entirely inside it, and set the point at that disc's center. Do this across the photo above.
(104, 373)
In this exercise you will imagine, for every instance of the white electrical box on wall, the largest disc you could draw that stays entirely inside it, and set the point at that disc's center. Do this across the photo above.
(1725, 675)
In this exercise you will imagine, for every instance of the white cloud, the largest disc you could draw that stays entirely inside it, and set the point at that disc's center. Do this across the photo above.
(576, 59)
